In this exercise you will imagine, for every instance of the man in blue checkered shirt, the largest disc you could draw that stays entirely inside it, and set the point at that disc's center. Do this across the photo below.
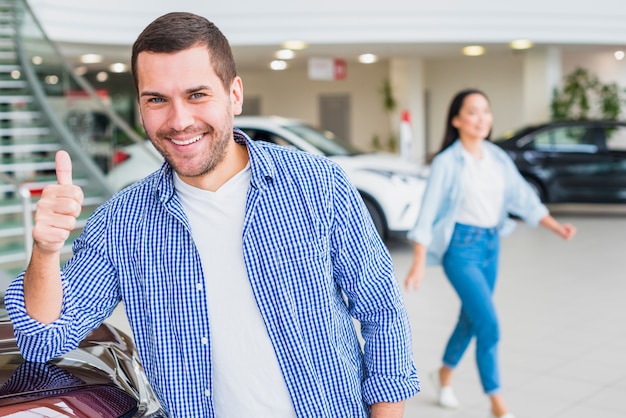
(240, 264)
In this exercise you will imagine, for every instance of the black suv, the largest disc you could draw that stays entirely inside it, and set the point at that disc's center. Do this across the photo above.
(581, 161)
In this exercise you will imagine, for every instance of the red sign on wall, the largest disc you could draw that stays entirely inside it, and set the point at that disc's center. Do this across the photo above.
(327, 69)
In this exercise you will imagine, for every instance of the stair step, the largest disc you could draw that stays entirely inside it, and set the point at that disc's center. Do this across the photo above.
(13, 84)
(25, 131)
(15, 228)
(20, 115)
(7, 55)
(7, 68)
(11, 165)
(16, 252)
(39, 182)
(15, 99)
(13, 205)
(29, 147)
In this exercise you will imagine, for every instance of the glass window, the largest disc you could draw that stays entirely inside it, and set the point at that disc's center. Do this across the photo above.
(566, 139)
(267, 136)
(616, 138)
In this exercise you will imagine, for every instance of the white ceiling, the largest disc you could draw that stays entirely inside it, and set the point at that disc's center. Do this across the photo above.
(341, 28)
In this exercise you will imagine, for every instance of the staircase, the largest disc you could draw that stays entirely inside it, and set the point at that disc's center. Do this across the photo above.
(35, 109)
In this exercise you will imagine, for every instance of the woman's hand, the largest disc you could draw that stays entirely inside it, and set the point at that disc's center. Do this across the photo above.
(416, 274)
(565, 231)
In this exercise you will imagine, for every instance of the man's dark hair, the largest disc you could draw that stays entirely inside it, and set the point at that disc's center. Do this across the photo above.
(177, 31)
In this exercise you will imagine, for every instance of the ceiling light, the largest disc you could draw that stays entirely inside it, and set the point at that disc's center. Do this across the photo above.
(285, 54)
(52, 79)
(91, 58)
(367, 58)
(102, 76)
(521, 44)
(118, 67)
(81, 70)
(37, 60)
(473, 50)
(15, 74)
(295, 45)
(619, 55)
(278, 65)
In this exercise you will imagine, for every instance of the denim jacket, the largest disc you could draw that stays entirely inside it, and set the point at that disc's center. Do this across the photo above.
(442, 199)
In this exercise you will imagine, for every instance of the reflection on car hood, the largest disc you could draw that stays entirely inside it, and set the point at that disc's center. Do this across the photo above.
(380, 161)
(101, 378)
(50, 390)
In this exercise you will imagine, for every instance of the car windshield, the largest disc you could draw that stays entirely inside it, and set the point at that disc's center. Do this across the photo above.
(325, 141)
(518, 133)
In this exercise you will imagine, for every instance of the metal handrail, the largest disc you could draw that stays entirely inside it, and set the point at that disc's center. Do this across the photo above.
(24, 190)
(112, 114)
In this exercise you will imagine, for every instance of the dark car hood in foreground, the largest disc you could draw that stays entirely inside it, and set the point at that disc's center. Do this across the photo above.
(50, 390)
(102, 378)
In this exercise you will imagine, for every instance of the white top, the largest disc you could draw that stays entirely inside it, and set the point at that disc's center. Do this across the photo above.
(247, 381)
(482, 190)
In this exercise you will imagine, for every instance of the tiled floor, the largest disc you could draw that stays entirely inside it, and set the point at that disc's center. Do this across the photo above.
(562, 308)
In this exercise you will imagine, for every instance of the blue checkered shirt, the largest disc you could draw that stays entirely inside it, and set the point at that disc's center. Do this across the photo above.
(314, 262)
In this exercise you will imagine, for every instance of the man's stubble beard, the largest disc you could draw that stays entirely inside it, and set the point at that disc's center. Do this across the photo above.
(213, 156)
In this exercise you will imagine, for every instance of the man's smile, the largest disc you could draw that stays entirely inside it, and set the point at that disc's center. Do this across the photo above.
(186, 141)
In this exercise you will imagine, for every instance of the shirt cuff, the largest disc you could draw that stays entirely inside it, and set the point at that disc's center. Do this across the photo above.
(390, 389)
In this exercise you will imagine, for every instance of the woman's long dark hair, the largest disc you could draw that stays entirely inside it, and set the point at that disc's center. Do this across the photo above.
(451, 133)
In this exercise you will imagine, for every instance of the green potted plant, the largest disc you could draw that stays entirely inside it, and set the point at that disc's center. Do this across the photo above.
(584, 96)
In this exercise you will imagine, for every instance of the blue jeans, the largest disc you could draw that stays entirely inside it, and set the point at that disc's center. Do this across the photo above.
(471, 264)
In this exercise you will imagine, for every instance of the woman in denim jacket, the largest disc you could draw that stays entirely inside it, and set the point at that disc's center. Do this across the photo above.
(472, 189)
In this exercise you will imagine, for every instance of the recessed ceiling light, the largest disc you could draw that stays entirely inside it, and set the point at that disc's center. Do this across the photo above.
(619, 55)
(367, 58)
(91, 58)
(102, 76)
(278, 65)
(118, 67)
(295, 45)
(521, 44)
(285, 54)
(473, 50)
(81, 70)
(52, 79)
(37, 60)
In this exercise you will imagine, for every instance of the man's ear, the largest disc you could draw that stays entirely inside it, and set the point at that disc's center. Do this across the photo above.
(236, 95)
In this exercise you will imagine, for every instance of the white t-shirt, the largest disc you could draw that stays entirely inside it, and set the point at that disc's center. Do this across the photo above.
(482, 190)
(247, 381)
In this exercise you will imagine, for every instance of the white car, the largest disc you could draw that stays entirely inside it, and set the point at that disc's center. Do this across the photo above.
(390, 186)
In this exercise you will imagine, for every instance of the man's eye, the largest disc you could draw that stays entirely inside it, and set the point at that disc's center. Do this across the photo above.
(197, 95)
(155, 100)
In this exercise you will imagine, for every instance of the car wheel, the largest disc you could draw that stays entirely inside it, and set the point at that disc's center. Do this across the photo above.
(377, 217)
(534, 184)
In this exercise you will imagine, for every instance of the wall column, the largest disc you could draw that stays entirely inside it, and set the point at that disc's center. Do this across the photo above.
(407, 82)
(542, 72)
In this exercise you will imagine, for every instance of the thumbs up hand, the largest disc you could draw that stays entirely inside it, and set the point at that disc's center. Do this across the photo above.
(57, 209)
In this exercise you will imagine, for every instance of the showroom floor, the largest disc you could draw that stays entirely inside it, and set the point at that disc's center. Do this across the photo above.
(562, 308)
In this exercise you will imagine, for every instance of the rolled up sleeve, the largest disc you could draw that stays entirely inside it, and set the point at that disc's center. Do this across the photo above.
(364, 270)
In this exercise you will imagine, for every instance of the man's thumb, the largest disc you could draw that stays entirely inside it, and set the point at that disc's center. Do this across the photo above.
(63, 164)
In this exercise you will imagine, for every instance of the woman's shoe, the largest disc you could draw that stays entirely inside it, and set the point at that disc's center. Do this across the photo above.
(445, 394)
